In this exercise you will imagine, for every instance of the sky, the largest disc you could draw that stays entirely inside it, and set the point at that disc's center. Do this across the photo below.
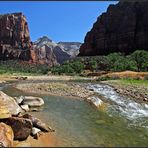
(60, 21)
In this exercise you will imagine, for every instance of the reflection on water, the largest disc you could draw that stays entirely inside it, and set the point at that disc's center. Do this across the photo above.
(77, 123)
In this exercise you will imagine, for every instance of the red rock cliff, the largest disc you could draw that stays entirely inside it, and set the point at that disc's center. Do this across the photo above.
(15, 41)
(14, 37)
(123, 28)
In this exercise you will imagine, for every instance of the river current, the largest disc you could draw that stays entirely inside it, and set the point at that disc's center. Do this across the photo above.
(78, 123)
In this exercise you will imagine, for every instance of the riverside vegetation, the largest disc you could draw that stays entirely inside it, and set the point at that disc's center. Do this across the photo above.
(137, 61)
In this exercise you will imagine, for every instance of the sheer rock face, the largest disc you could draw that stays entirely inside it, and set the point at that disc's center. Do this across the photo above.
(14, 37)
(14, 30)
(123, 28)
(15, 42)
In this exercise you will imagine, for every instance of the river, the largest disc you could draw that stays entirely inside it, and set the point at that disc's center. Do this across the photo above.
(78, 123)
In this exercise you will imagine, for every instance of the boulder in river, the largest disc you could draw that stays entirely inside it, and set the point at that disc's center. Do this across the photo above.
(21, 127)
(33, 101)
(6, 135)
(38, 123)
(11, 104)
(96, 101)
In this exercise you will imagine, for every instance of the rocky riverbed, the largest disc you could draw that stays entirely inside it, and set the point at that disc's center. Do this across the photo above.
(77, 90)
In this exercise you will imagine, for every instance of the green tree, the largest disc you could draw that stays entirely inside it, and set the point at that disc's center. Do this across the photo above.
(141, 59)
(116, 61)
(77, 66)
(93, 64)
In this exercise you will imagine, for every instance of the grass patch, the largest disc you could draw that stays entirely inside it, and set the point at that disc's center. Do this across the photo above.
(133, 82)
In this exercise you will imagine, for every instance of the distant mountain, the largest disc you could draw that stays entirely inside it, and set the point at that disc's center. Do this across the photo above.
(72, 48)
(63, 51)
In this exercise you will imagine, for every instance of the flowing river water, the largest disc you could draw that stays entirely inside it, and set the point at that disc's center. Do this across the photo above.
(78, 123)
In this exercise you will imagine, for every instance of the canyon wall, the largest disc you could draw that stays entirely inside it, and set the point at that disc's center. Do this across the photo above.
(122, 28)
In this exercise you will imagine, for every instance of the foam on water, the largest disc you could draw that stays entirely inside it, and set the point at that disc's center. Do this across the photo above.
(127, 107)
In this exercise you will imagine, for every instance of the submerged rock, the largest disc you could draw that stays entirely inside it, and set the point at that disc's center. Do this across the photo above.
(38, 123)
(100, 122)
(6, 135)
(21, 127)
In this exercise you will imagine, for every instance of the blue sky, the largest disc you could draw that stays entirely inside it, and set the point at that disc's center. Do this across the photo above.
(60, 21)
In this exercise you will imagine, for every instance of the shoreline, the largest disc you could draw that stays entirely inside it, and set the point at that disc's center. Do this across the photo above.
(134, 92)
(72, 90)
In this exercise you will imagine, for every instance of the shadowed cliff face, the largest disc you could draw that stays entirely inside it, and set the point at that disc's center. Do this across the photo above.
(123, 28)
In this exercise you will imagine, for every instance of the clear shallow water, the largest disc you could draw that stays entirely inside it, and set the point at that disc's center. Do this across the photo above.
(77, 123)
(135, 112)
